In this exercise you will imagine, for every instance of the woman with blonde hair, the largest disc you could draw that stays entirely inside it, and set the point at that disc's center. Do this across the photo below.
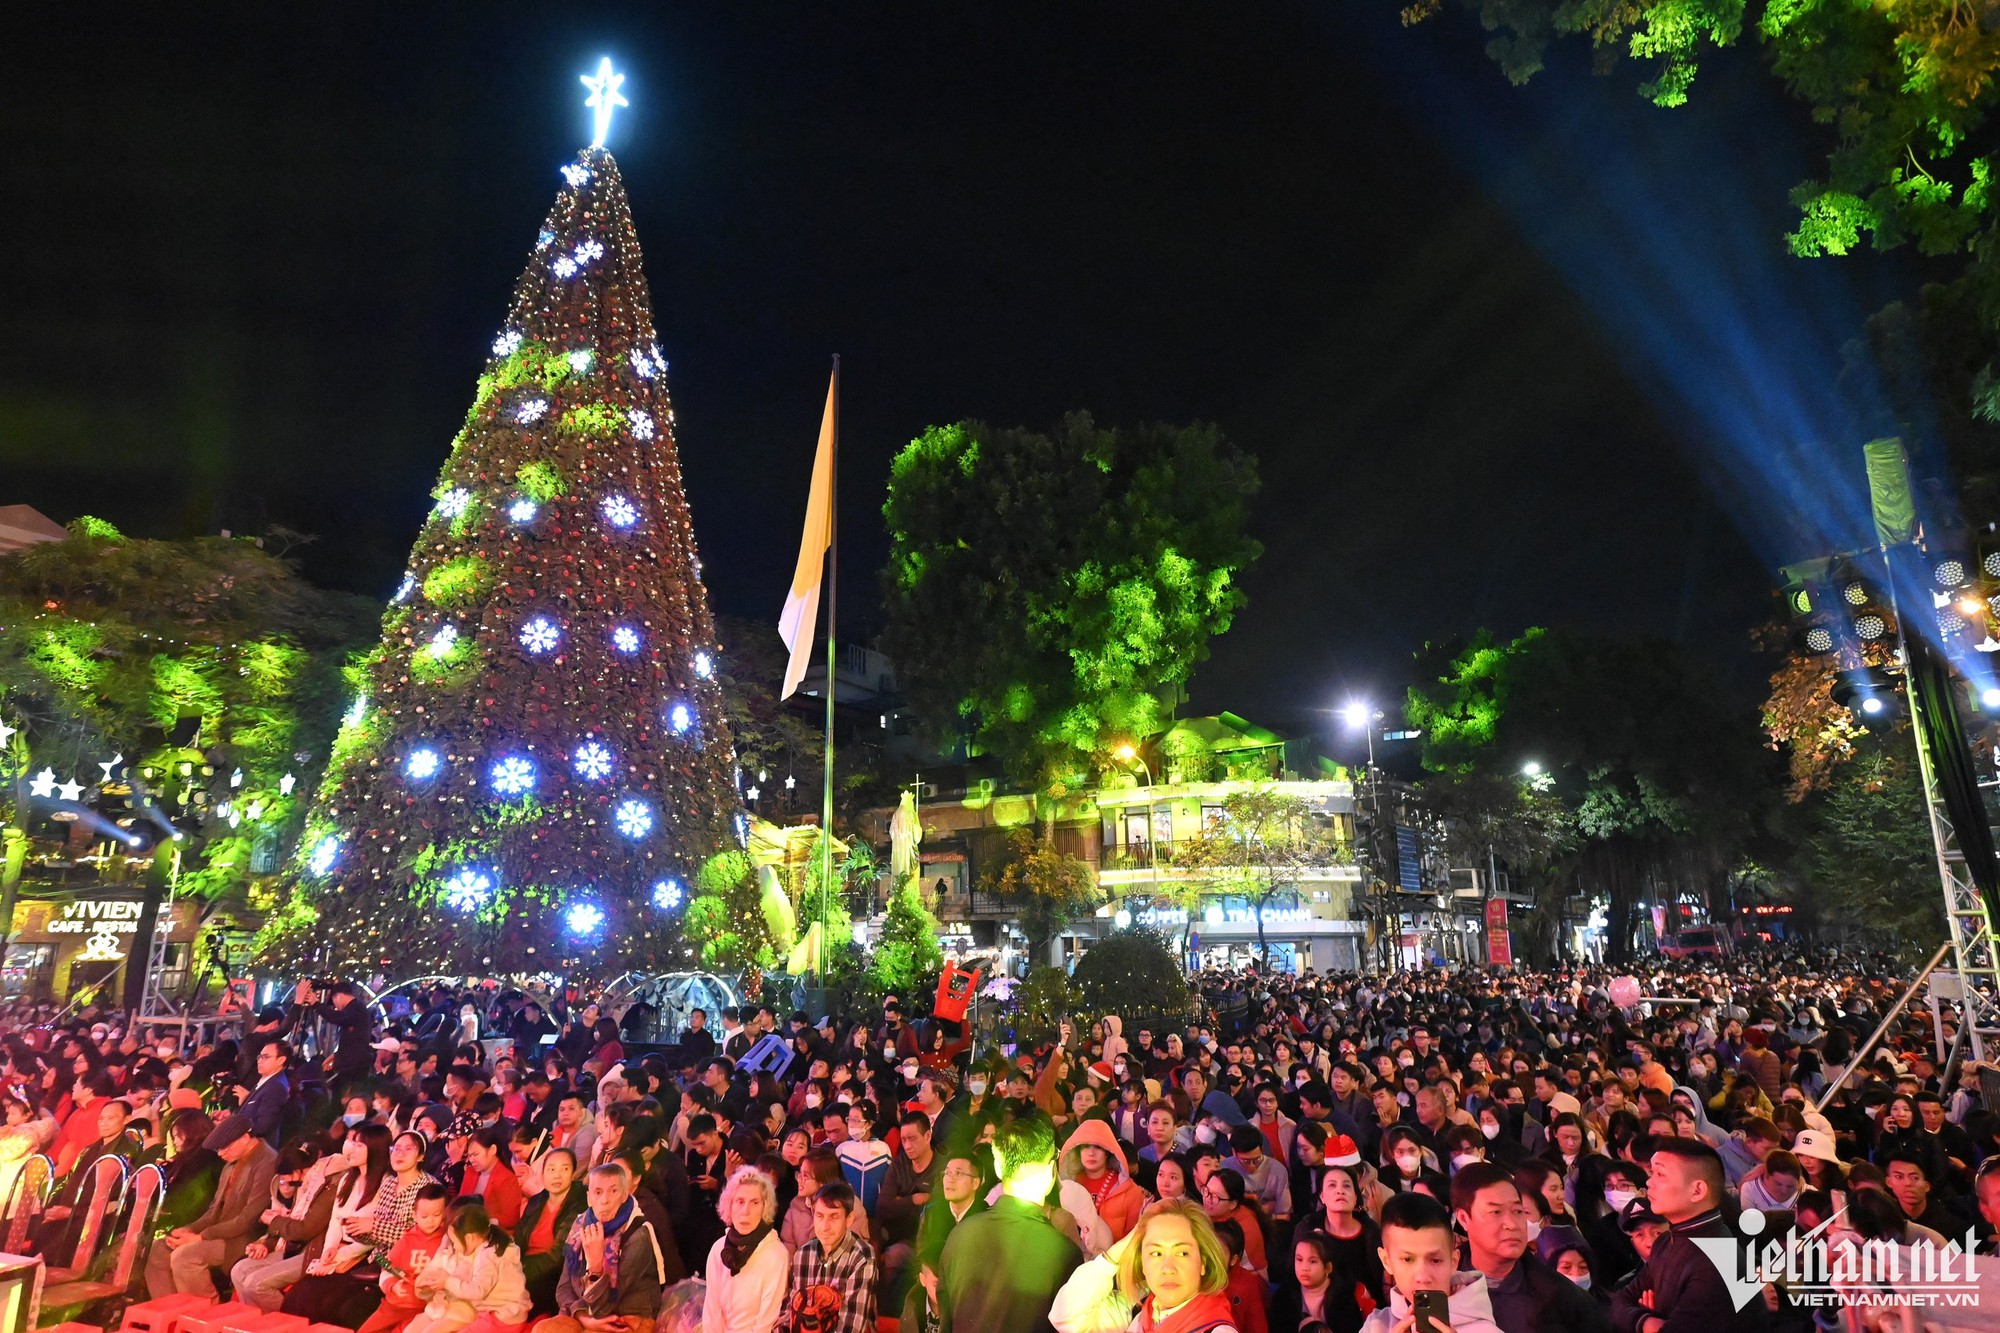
(747, 1268)
(1166, 1276)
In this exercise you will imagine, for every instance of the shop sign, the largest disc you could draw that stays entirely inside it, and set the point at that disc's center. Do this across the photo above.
(97, 917)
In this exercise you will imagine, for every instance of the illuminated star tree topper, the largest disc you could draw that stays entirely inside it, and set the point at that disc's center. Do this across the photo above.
(604, 97)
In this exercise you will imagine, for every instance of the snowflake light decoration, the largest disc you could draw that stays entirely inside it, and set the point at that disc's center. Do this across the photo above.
(704, 666)
(592, 760)
(642, 424)
(619, 512)
(625, 639)
(667, 895)
(422, 763)
(543, 237)
(564, 267)
(443, 641)
(514, 776)
(468, 890)
(642, 365)
(523, 510)
(532, 411)
(590, 249)
(579, 361)
(633, 817)
(405, 588)
(680, 717)
(584, 918)
(509, 342)
(453, 502)
(324, 853)
(540, 634)
(576, 175)
(356, 711)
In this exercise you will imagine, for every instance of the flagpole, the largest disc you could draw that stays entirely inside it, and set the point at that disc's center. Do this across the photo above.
(832, 593)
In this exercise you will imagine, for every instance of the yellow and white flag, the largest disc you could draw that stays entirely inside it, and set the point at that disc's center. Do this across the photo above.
(801, 613)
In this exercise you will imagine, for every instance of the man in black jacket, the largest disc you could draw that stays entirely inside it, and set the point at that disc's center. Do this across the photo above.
(354, 1048)
(1528, 1296)
(1680, 1287)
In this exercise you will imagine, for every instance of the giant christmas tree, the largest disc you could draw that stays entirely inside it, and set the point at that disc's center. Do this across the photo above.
(537, 763)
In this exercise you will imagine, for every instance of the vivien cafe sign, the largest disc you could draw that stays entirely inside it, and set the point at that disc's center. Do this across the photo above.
(98, 917)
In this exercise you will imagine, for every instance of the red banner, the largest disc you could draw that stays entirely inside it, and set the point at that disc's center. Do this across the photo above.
(1499, 942)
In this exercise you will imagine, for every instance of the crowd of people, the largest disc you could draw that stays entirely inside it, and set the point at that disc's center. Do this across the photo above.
(1462, 1151)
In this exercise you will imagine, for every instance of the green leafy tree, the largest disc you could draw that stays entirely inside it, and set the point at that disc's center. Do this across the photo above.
(209, 665)
(539, 739)
(908, 955)
(1047, 887)
(1660, 787)
(1048, 594)
(1525, 827)
(1264, 846)
(1133, 973)
(725, 919)
(1903, 90)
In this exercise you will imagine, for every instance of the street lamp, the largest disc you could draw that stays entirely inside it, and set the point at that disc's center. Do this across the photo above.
(1360, 716)
(1532, 769)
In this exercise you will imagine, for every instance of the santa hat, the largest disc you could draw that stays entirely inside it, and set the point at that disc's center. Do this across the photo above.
(1101, 1070)
(1340, 1151)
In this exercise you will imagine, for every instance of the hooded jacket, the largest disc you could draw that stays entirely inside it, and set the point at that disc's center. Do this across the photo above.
(1114, 1039)
(1470, 1309)
(1120, 1207)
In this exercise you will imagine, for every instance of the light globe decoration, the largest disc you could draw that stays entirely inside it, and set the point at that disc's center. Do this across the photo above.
(522, 576)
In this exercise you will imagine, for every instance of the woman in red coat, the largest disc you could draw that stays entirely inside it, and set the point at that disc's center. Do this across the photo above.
(489, 1173)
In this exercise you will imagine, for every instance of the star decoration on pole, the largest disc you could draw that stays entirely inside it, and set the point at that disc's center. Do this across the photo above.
(110, 764)
(604, 96)
(44, 785)
(286, 783)
(70, 791)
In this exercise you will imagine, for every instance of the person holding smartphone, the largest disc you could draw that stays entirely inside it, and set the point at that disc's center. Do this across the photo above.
(1427, 1293)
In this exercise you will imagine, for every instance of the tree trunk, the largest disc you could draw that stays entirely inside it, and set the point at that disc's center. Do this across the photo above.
(13, 860)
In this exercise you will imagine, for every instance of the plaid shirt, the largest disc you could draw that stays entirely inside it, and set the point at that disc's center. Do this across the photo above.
(395, 1212)
(831, 1297)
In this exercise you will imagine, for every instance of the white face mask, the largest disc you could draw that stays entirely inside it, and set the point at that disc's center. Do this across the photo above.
(1490, 1131)
(976, 1086)
(1619, 1198)
(1459, 1160)
(1408, 1162)
(812, 1099)
(1583, 1281)
(888, 1052)
(1534, 1230)
(1203, 1134)
(909, 1073)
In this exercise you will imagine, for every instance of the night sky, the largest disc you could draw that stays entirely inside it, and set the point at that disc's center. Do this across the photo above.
(254, 270)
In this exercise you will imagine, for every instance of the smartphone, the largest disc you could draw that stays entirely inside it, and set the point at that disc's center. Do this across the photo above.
(1432, 1308)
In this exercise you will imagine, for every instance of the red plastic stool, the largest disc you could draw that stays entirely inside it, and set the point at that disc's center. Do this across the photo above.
(218, 1318)
(71, 1328)
(269, 1323)
(163, 1315)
